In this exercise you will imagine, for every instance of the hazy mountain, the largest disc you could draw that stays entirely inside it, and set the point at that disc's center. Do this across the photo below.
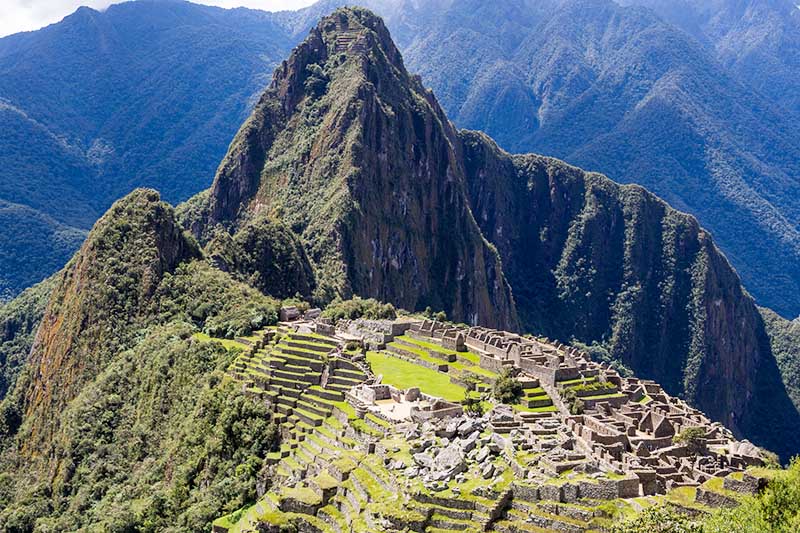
(758, 40)
(144, 94)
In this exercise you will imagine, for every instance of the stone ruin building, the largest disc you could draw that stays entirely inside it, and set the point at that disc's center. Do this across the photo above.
(627, 425)
(395, 405)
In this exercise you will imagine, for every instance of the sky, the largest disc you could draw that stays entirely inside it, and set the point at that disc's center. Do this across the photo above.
(26, 15)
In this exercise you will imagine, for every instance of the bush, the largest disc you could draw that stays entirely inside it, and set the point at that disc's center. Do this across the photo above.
(693, 438)
(658, 520)
(472, 404)
(358, 307)
(507, 389)
(352, 346)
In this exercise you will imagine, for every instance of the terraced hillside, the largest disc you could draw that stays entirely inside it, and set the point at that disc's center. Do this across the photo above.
(303, 376)
(344, 466)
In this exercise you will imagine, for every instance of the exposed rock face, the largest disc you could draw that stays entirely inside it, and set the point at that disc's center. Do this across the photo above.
(602, 262)
(98, 295)
(358, 158)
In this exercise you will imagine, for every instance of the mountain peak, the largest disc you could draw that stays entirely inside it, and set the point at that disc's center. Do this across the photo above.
(357, 158)
(107, 285)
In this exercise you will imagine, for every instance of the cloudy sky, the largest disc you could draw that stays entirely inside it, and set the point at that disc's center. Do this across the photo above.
(25, 15)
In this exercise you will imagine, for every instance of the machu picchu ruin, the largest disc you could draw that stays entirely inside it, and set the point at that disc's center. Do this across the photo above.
(377, 433)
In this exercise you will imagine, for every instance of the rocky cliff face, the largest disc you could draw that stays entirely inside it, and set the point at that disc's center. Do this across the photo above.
(359, 160)
(97, 297)
(614, 265)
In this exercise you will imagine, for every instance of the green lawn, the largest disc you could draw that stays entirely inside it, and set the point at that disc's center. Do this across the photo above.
(403, 375)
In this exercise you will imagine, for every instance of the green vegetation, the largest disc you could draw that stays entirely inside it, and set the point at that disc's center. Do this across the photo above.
(507, 389)
(658, 519)
(784, 338)
(18, 322)
(267, 255)
(160, 425)
(439, 316)
(693, 438)
(403, 374)
(138, 407)
(472, 403)
(204, 296)
(357, 307)
(32, 245)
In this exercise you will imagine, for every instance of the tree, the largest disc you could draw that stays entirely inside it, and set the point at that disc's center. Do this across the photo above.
(577, 407)
(694, 438)
(472, 404)
(507, 389)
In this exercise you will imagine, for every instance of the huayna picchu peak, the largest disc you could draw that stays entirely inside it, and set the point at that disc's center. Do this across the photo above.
(374, 321)
(356, 157)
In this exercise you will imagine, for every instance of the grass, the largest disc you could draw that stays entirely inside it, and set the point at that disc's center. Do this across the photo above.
(302, 494)
(576, 381)
(682, 496)
(403, 375)
(604, 396)
(229, 344)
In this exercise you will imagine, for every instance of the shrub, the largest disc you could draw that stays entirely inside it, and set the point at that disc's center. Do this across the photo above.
(358, 307)
(472, 404)
(693, 438)
(352, 346)
(507, 389)
(658, 520)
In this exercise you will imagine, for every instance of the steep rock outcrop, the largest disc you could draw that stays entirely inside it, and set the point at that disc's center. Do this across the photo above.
(612, 264)
(97, 297)
(359, 160)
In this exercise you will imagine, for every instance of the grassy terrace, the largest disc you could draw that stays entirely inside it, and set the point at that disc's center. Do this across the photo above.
(577, 381)
(466, 361)
(404, 375)
(526, 409)
(604, 396)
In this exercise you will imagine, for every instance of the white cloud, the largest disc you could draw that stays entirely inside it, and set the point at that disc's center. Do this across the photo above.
(26, 15)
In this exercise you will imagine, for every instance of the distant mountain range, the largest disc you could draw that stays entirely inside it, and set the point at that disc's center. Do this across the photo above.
(695, 100)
